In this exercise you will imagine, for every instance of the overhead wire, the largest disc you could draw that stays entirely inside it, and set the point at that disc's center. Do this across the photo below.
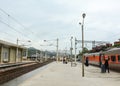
(5, 37)
(7, 33)
(8, 24)
(26, 36)
(31, 32)
(13, 28)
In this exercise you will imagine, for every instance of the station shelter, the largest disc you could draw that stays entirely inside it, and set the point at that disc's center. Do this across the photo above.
(10, 53)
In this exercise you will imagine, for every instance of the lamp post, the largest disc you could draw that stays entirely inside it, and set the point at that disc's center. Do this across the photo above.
(71, 49)
(57, 41)
(75, 48)
(27, 49)
(17, 51)
(57, 49)
(82, 25)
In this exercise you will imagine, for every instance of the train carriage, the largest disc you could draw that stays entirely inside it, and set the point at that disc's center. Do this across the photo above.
(93, 58)
(113, 55)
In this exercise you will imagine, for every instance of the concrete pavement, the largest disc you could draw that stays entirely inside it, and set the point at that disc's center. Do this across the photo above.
(59, 74)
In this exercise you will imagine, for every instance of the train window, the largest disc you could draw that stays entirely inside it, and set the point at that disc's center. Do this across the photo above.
(118, 58)
(94, 56)
(113, 58)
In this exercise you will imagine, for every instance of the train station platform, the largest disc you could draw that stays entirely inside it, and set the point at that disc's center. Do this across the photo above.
(59, 74)
(6, 65)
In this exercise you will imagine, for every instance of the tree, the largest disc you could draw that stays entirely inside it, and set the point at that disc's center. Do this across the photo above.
(116, 45)
(85, 50)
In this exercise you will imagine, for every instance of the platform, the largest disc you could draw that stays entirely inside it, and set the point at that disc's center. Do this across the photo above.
(59, 74)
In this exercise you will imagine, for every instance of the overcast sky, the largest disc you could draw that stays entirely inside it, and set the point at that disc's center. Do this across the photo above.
(52, 19)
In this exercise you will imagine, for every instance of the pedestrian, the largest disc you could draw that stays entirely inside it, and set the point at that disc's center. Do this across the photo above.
(103, 64)
(87, 62)
(103, 67)
(63, 60)
(107, 64)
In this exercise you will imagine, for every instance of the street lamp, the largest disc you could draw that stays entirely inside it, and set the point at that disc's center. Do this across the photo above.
(27, 49)
(71, 49)
(82, 24)
(17, 48)
(75, 49)
(56, 47)
(45, 56)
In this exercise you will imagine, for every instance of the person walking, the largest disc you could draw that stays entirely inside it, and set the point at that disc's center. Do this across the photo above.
(87, 62)
(103, 66)
(107, 64)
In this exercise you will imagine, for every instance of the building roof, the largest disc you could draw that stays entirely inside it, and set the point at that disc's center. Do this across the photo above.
(11, 44)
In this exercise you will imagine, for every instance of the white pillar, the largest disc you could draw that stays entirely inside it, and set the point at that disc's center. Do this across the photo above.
(75, 49)
(17, 51)
(57, 49)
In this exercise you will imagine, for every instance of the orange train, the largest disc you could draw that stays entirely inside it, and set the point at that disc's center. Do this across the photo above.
(113, 55)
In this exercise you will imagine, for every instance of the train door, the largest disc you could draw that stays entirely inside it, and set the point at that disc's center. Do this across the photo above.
(118, 58)
(0, 54)
(100, 59)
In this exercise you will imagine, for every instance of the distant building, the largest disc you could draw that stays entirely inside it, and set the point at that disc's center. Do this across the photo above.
(108, 45)
(101, 47)
(117, 43)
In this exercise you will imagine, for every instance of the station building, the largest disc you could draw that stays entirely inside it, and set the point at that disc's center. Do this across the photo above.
(10, 53)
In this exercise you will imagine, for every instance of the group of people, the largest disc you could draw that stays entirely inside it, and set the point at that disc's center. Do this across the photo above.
(105, 65)
(64, 60)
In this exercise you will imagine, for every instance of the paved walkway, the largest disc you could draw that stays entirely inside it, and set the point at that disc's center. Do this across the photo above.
(59, 74)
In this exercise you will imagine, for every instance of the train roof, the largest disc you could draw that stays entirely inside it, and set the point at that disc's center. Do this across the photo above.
(97, 53)
(113, 51)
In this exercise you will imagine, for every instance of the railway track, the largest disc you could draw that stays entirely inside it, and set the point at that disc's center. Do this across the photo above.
(11, 71)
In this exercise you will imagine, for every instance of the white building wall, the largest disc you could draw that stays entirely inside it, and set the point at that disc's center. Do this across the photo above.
(19, 59)
(5, 54)
(12, 55)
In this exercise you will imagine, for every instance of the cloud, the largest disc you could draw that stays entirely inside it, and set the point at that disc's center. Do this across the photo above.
(51, 19)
